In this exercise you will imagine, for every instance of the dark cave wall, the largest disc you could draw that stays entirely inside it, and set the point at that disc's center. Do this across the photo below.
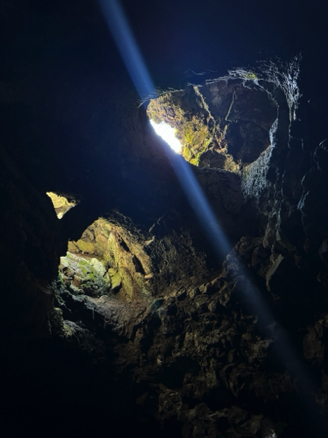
(31, 245)
(190, 357)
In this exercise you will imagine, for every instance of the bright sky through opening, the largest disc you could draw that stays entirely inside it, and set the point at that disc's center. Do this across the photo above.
(168, 134)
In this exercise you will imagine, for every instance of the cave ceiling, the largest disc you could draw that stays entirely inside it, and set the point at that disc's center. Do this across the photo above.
(134, 301)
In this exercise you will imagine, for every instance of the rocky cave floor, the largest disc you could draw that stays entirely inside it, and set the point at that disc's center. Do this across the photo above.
(192, 362)
(144, 331)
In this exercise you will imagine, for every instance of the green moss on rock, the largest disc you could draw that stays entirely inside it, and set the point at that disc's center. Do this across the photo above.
(82, 276)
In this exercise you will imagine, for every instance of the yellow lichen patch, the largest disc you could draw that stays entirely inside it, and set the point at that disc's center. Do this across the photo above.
(115, 279)
(68, 330)
(165, 109)
(123, 252)
(195, 139)
(86, 247)
(250, 75)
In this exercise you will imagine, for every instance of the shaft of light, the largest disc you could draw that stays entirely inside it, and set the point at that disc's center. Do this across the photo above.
(251, 295)
(127, 46)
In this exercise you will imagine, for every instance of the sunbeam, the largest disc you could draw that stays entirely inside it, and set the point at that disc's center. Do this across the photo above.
(251, 295)
(127, 46)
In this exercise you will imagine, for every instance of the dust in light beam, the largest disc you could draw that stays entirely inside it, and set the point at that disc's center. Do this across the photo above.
(168, 134)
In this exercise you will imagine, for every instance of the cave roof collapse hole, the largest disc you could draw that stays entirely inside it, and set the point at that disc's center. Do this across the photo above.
(168, 134)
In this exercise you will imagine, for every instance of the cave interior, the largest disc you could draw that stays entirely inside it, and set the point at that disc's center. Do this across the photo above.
(152, 292)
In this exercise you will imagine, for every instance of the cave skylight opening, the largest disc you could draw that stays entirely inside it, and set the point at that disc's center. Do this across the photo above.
(167, 133)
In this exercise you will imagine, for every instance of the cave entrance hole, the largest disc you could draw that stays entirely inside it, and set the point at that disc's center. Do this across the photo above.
(226, 123)
(168, 134)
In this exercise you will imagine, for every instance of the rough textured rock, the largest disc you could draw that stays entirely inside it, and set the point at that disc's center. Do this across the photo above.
(222, 124)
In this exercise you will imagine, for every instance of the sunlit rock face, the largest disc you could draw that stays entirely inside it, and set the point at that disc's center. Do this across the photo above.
(61, 204)
(125, 262)
(222, 124)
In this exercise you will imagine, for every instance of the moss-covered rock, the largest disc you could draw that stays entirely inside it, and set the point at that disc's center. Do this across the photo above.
(83, 276)
(115, 251)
